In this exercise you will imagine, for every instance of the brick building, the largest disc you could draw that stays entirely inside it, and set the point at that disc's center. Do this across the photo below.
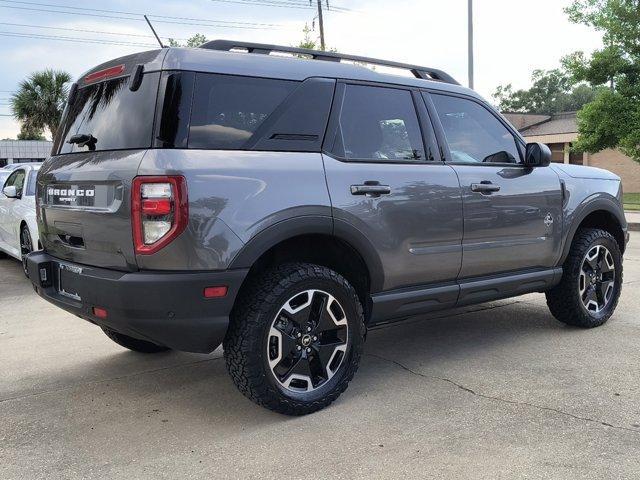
(559, 131)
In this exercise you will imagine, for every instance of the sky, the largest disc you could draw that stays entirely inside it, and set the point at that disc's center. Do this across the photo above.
(512, 37)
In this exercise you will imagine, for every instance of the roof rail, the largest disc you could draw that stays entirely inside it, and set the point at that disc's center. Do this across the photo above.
(265, 49)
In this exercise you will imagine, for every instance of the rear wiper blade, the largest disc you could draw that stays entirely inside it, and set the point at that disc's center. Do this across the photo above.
(84, 140)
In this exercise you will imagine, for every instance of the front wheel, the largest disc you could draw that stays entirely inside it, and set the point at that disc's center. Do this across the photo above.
(295, 338)
(591, 281)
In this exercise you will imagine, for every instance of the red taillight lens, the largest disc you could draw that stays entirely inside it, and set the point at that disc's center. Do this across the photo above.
(159, 206)
(159, 211)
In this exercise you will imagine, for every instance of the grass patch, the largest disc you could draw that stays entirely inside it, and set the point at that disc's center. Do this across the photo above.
(631, 201)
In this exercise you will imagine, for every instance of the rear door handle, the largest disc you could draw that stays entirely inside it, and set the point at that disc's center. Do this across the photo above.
(373, 190)
(485, 187)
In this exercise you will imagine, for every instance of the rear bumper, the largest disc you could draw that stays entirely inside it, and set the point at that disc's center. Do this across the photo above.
(166, 308)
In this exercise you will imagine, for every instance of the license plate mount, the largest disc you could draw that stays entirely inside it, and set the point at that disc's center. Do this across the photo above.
(69, 280)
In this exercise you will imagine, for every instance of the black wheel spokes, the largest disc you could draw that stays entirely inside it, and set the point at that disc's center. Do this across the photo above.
(26, 247)
(307, 340)
(597, 278)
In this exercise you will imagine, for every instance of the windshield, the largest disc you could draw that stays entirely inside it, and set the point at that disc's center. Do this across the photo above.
(111, 115)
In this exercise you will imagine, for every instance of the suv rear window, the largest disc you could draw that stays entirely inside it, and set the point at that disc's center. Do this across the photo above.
(115, 116)
(227, 110)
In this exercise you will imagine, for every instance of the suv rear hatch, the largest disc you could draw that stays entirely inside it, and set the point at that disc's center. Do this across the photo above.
(84, 189)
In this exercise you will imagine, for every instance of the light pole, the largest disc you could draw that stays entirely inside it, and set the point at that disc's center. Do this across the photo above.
(470, 39)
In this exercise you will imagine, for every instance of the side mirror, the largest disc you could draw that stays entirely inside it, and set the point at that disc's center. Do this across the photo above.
(537, 155)
(10, 192)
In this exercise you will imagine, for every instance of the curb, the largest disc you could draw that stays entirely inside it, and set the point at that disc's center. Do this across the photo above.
(633, 226)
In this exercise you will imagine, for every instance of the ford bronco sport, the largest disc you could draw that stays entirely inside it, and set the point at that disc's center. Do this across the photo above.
(236, 194)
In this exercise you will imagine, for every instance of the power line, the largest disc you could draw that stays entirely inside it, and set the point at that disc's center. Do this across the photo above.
(74, 39)
(82, 30)
(137, 14)
(282, 4)
(131, 18)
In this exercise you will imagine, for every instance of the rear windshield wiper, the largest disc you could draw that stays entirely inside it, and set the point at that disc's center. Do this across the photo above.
(84, 140)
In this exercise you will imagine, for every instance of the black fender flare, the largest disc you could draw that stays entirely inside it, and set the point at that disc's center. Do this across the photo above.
(583, 211)
(309, 225)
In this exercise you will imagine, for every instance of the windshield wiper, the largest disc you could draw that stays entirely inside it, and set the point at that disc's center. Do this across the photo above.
(84, 140)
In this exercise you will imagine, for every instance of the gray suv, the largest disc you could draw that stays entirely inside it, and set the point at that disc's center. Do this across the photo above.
(237, 194)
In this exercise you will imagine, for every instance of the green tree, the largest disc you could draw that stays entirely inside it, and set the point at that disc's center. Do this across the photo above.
(612, 120)
(39, 101)
(193, 42)
(552, 91)
(28, 134)
(307, 42)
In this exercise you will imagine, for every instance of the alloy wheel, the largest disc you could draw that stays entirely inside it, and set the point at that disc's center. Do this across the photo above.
(307, 341)
(26, 247)
(597, 279)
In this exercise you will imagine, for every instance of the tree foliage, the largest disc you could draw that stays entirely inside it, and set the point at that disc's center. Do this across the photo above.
(612, 120)
(193, 42)
(28, 134)
(552, 91)
(307, 41)
(40, 99)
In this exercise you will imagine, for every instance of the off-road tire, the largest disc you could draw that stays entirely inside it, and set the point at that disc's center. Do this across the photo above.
(134, 344)
(564, 299)
(245, 343)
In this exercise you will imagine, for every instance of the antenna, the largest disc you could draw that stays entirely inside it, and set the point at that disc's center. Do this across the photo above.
(154, 31)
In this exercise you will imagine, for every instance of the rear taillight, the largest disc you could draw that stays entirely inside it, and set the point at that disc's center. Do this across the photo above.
(159, 211)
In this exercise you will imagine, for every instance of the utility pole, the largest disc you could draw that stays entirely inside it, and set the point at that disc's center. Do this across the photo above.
(470, 38)
(321, 23)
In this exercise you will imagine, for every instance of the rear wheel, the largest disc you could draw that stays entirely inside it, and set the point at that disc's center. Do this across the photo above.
(295, 338)
(591, 281)
(26, 247)
(135, 344)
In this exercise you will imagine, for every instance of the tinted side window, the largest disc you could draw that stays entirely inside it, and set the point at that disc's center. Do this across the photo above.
(16, 179)
(117, 117)
(378, 123)
(473, 133)
(227, 109)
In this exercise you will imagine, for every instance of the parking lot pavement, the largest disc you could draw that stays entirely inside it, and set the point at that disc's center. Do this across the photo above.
(499, 390)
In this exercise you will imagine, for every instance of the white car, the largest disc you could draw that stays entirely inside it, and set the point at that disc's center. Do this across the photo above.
(18, 227)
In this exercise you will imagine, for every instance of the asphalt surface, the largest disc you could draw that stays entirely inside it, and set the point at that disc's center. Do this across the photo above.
(495, 391)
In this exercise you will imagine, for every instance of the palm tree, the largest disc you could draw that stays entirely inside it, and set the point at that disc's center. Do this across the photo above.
(39, 101)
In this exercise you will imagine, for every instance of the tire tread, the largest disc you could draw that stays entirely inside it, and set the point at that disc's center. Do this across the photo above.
(243, 337)
(562, 300)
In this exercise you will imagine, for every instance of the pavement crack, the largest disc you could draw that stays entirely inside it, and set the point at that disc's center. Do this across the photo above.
(500, 399)
(106, 380)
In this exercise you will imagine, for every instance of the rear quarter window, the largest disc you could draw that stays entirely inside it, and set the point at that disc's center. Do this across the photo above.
(115, 116)
(227, 110)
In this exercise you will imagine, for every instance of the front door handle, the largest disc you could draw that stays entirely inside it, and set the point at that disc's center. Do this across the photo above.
(485, 187)
(372, 190)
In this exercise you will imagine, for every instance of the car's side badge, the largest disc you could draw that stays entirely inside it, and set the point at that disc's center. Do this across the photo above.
(548, 220)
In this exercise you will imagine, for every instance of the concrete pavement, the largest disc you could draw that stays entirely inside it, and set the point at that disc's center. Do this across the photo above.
(633, 219)
(499, 390)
